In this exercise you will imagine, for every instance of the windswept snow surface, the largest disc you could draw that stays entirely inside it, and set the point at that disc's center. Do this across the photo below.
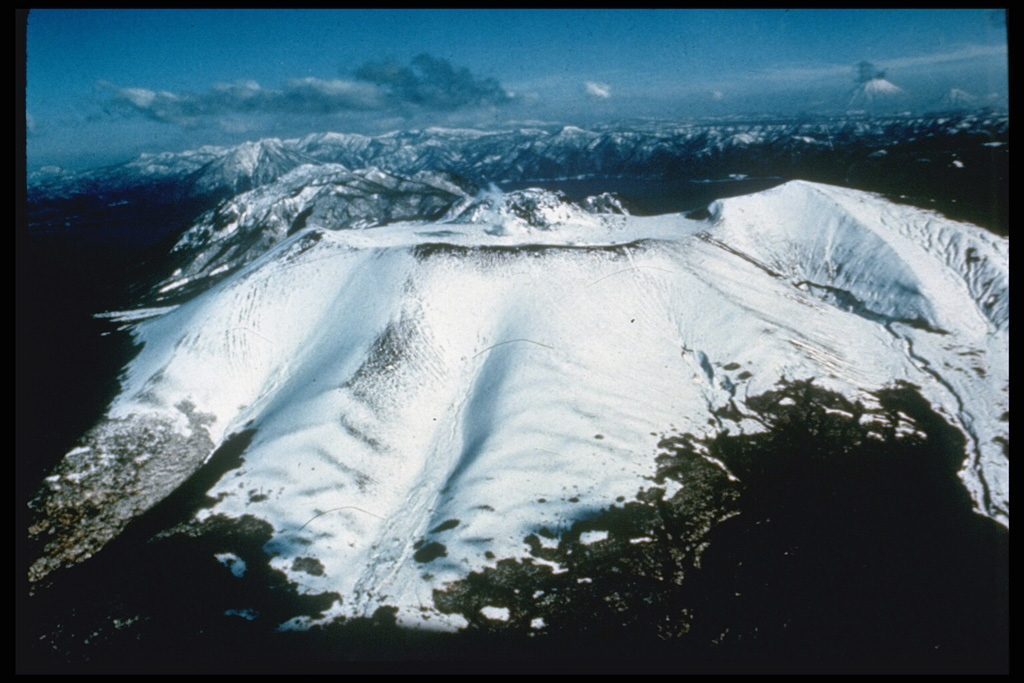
(467, 383)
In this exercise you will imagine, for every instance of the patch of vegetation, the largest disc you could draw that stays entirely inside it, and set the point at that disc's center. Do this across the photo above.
(168, 602)
(310, 565)
(430, 552)
(445, 526)
(838, 537)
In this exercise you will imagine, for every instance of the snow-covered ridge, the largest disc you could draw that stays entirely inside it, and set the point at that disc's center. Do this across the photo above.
(847, 240)
(332, 197)
(437, 380)
(329, 196)
(524, 211)
(653, 149)
(246, 166)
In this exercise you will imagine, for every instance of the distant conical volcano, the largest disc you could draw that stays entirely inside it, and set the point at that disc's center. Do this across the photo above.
(874, 92)
(957, 99)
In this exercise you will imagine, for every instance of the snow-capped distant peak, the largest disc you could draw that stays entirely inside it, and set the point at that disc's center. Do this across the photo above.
(881, 86)
(957, 99)
(568, 131)
(248, 165)
(875, 91)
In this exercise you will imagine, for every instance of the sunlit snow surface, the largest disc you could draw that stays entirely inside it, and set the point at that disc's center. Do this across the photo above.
(406, 376)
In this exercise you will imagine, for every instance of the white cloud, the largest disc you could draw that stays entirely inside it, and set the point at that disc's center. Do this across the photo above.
(140, 97)
(602, 90)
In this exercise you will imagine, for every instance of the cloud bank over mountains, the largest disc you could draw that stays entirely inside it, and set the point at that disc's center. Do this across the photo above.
(431, 90)
(428, 83)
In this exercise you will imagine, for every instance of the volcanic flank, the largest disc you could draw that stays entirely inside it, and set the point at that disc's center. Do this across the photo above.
(420, 396)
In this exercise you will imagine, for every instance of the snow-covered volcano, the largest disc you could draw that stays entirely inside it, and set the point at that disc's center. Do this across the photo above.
(469, 380)
(956, 100)
(875, 92)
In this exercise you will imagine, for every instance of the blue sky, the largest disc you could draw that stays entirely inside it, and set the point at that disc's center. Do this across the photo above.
(105, 85)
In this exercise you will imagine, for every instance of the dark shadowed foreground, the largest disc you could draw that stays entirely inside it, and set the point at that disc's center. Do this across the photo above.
(838, 540)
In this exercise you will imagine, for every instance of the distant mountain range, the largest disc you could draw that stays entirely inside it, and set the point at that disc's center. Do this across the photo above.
(912, 156)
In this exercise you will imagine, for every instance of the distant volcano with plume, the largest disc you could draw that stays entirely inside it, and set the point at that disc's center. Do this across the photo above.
(873, 88)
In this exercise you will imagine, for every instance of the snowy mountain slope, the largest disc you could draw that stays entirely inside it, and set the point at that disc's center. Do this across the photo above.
(455, 386)
(247, 166)
(848, 241)
(323, 195)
